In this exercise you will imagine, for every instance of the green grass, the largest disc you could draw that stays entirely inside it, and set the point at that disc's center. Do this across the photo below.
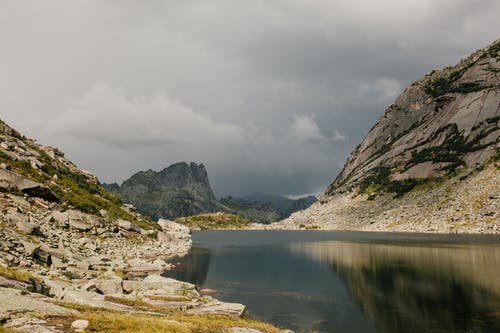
(380, 180)
(73, 188)
(214, 221)
(165, 320)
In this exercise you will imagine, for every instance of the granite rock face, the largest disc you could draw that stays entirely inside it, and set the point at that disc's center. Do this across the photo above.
(430, 164)
(447, 120)
(179, 190)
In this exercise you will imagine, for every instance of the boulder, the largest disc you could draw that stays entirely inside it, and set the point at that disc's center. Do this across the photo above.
(156, 285)
(215, 307)
(171, 226)
(243, 330)
(127, 225)
(109, 284)
(41, 255)
(29, 248)
(80, 325)
(77, 221)
(10, 181)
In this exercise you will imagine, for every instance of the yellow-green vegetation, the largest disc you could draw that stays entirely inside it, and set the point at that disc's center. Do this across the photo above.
(71, 187)
(164, 320)
(214, 221)
(7, 330)
(170, 298)
(16, 275)
(121, 274)
(136, 303)
(113, 322)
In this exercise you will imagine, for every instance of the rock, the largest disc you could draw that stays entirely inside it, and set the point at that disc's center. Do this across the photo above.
(138, 265)
(215, 307)
(171, 226)
(164, 237)
(55, 288)
(25, 227)
(207, 291)
(243, 330)
(110, 284)
(160, 286)
(80, 325)
(90, 299)
(16, 301)
(77, 221)
(42, 256)
(89, 286)
(29, 248)
(127, 225)
(10, 181)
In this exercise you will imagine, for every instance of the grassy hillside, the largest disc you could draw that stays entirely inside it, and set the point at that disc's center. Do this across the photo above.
(214, 221)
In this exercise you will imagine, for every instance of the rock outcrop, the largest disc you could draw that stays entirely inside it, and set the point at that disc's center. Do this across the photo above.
(430, 164)
(179, 190)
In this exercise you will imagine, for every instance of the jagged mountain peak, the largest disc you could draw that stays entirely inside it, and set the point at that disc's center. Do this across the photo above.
(180, 189)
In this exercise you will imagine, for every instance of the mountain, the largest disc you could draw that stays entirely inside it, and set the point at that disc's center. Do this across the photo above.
(254, 211)
(69, 248)
(285, 206)
(431, 161)
(179, 190)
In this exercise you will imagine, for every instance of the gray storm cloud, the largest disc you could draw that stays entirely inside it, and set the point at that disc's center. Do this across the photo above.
(270, 95)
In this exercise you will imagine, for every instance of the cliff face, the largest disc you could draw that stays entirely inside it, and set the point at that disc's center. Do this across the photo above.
(429, 164)
(179, 190)
(445, 121)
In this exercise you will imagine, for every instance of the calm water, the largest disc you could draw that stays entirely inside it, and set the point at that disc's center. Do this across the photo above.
(353, 282)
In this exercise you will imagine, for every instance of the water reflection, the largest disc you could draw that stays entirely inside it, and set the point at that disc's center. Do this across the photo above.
(192, 267)
(405, 288)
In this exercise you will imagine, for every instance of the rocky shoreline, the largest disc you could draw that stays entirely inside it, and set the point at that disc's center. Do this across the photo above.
(54, 263)
(467, 203)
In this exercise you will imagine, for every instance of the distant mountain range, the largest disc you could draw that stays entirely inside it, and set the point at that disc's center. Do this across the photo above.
(183, 189)
(285, 206)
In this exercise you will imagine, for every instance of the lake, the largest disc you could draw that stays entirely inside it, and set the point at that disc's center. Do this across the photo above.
(352, 281)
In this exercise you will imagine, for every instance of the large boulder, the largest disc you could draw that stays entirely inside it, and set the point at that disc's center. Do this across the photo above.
(215, 307)
(10, 181)
(127, 225)
(173, 227)
(156, 285)
(109, 286)
(172, 231)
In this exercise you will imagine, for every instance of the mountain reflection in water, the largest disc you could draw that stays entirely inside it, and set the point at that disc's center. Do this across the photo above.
(193, 267)
(411, 288)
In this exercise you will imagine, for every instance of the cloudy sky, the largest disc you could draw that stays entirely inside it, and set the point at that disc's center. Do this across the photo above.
(270, 95)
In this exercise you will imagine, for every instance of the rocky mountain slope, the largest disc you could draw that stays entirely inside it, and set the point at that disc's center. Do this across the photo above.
(73, 258)
(257, 212)
(264, 208)
(179, 190)
(182, 190)
(430, 163)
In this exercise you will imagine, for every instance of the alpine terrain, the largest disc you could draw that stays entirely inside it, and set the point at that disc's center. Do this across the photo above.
(430, 164)
(74, 258)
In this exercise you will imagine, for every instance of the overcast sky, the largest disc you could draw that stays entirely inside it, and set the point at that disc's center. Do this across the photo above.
(270, 95)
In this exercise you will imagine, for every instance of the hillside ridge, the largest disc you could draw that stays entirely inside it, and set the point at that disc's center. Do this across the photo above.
(441, 132)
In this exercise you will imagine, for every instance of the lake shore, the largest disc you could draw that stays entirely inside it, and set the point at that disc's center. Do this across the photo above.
(468, 203)
(106, 279)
